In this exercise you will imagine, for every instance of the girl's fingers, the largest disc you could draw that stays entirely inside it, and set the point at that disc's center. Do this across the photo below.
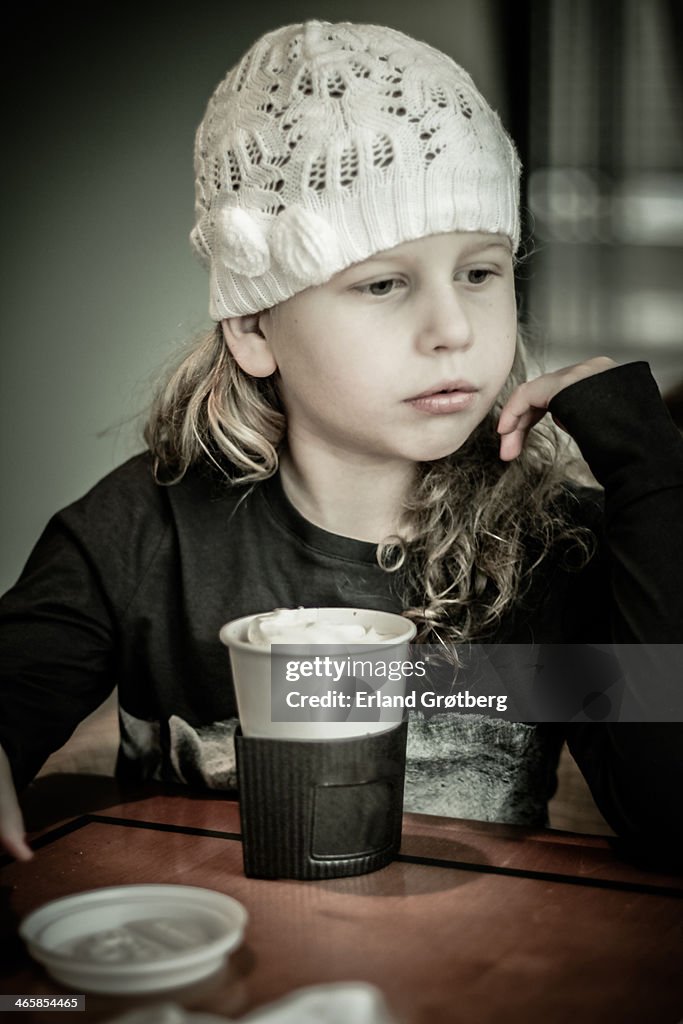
(514, 428)
(529, 402)
(512, 442)
(16, 846)
(511, 445)
(511, 421)
(12, 833)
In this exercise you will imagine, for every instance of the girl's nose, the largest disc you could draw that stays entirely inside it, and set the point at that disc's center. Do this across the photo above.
(444, 321)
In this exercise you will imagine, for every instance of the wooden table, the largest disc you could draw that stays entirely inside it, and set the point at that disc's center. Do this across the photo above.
(473, 923)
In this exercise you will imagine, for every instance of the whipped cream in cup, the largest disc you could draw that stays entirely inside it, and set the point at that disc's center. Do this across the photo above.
(314, 626)
(341, 634)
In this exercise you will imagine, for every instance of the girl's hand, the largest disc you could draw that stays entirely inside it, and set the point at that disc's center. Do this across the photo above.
(12, 834)
(529, 402)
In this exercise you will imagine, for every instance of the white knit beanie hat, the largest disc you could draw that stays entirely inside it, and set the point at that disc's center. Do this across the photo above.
(328, 143)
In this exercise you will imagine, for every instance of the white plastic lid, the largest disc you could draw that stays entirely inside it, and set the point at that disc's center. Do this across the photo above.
(134, 938)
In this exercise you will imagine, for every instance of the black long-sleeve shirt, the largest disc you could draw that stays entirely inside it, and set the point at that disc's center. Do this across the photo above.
(130, 585)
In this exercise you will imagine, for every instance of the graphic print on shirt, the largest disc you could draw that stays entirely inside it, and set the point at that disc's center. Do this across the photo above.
(202, 756)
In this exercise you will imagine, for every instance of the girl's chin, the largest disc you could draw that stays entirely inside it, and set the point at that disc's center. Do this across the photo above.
(437, 439)
(432, 453)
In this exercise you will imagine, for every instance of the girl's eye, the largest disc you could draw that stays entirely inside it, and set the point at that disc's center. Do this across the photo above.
(379, 288)
(478, 275)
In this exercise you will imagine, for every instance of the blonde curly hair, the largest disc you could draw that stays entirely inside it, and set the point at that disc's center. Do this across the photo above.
(477, 527)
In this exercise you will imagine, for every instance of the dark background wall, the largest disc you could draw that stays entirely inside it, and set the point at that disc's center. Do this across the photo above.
(100, 105)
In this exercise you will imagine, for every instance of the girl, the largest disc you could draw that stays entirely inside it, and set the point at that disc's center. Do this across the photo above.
(357, 430)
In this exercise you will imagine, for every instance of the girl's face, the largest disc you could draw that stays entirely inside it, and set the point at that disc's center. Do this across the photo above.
(401, 356)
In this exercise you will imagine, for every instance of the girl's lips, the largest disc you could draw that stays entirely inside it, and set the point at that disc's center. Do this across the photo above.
(449, 398)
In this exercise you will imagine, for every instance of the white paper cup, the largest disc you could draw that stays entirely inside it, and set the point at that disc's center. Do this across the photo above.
(253, 666)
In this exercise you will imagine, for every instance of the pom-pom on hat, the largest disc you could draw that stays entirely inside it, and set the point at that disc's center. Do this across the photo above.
(329, 143)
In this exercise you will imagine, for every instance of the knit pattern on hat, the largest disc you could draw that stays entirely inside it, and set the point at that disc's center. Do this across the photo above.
(329, 143)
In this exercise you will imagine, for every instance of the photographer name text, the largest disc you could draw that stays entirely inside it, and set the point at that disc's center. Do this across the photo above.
(463, 699)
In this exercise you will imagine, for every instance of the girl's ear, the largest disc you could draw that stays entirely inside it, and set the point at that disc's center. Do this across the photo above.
(248, 345)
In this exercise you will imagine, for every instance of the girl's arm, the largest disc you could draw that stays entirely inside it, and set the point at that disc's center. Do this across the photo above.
(59, 637)
(56, 651)
(624, 431)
